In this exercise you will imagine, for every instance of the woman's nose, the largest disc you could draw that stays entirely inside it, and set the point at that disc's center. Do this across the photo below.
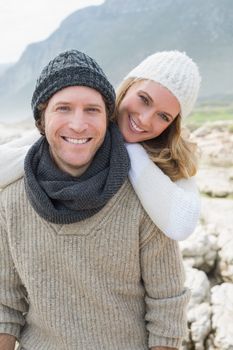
(146, 117)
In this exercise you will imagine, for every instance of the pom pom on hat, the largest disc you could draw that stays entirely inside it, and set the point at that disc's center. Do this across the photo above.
(175, 71)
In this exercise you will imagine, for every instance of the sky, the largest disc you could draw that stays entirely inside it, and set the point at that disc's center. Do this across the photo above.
(26, 21)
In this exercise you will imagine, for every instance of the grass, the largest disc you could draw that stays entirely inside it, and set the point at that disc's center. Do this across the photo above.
(204, 114)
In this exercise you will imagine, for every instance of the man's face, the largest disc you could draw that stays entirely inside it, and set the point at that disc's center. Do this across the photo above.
(75, 127)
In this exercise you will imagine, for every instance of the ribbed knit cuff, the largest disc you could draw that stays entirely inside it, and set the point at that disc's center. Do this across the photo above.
(11, 329)
(155, 340)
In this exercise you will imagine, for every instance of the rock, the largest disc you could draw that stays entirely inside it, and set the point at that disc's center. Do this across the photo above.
(199, 310)
(222, 319)
(215, 141)
(217, 212)
(200, 249)
(225, 261)
(215, 181)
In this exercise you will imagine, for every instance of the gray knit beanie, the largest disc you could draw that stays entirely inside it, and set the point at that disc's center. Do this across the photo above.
(71, 68)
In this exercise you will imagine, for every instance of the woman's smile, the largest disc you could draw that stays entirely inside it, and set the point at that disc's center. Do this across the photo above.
(134, 127)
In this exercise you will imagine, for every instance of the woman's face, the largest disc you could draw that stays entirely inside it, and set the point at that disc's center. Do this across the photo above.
(146, 111)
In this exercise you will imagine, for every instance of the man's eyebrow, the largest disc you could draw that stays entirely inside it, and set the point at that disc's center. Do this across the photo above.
(94, 105)
(69, 102)
(151, 99)
(61, 103)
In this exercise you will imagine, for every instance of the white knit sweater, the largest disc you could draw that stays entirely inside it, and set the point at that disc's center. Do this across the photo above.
(179, 203)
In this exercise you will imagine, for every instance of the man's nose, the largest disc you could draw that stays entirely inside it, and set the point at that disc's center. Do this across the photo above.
(78, 121)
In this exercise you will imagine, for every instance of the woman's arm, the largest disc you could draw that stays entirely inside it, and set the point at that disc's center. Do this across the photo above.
(12, 156)
(173, 206)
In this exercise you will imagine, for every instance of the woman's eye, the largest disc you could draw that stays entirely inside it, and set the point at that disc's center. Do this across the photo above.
(144, 99)
(164, 117)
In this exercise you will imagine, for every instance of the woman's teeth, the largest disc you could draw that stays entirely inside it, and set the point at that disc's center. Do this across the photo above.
(76, 141)
(134, 126)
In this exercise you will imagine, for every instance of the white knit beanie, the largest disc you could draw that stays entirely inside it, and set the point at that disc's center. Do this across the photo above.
(175, 71)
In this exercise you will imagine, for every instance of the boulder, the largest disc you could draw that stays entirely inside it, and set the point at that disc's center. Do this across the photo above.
(199, 310)
(222, 319)
(215, 141)
(215, 181)
(200, 249)
(225, 255)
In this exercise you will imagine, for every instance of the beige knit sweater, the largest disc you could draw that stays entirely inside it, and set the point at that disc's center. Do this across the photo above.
(111, 282)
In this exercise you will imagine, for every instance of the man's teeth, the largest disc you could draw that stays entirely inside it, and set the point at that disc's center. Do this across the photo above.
(76, 141)
(135, 126)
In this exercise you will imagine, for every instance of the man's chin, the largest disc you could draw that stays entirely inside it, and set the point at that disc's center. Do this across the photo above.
(73, 167)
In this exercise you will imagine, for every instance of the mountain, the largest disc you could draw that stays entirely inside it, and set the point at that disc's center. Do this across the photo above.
(4, 67)
(120, 33)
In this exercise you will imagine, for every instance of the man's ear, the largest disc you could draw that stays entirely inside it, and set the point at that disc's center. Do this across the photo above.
(40, 124)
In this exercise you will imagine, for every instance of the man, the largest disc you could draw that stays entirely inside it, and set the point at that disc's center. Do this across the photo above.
(82, 265)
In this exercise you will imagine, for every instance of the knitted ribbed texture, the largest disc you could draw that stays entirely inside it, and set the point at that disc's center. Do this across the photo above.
(92, 284)
(179, 206)
(71, 68)
(175, 71)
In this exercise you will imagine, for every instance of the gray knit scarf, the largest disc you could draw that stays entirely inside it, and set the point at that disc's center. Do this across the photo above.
(63, 199)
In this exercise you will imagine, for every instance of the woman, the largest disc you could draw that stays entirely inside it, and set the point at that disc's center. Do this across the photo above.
(152, 102)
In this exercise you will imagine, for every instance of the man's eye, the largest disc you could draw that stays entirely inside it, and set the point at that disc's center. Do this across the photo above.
(63, 108)
(144, 99)
(93, 110)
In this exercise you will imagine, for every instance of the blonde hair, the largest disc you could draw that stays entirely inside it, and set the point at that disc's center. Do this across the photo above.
(171, 151)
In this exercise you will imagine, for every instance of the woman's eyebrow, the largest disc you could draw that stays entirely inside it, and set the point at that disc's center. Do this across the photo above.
(146, 93)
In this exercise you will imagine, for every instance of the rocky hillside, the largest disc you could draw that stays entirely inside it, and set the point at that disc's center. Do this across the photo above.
(4, 67)
(120, 33)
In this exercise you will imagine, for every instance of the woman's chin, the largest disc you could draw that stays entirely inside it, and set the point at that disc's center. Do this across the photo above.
(130, 139)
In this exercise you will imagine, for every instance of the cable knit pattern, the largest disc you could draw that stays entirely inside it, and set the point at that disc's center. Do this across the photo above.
(174, 70)
(92, 284)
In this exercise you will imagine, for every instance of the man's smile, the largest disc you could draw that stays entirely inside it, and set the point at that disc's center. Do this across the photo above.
(76, 141)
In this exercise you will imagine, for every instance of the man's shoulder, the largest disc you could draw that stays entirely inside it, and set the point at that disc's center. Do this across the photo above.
(132, 199)
(127, 191)
(148, 227)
